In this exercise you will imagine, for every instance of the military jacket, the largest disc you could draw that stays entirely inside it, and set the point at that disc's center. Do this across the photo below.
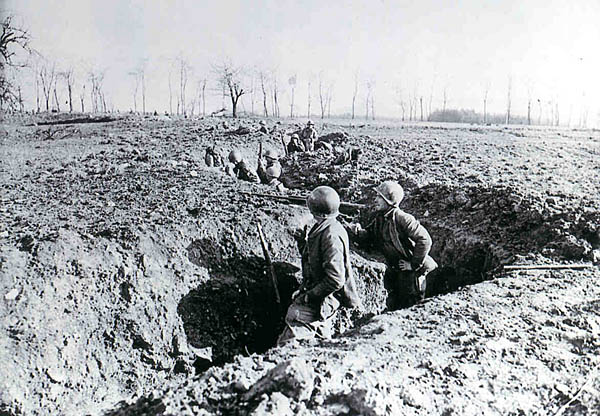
(326, 268)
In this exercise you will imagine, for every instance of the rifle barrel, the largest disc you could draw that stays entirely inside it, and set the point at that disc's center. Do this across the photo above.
(263, 243)
(547, 266)
(302, 199)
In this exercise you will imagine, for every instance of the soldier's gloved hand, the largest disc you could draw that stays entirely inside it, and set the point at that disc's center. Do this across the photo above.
(404, 265)
(295, 294)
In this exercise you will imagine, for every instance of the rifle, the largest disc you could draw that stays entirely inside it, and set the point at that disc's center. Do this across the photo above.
(259, 151)
(301, 200)
(263, 243)
(548, 266)
(285, 151)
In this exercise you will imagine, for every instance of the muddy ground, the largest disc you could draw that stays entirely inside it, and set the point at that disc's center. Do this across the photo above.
(133, 280)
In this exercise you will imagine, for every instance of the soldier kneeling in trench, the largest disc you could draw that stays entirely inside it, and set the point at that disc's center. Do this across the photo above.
(239, 169)
(327, 280)
(404, 243)
(271, 173)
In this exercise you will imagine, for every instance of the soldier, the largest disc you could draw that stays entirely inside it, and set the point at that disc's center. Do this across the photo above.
(405, 244)
(239, 169)
(263, 127)
(309, 136)
(295, 144)
(271, 173)
(213, 157)
(327, 280)
(272, 159)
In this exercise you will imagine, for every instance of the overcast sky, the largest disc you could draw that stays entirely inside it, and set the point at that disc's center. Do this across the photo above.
(548, 48)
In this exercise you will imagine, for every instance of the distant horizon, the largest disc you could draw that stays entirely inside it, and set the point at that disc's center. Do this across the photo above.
(431, 54)
(518, 120)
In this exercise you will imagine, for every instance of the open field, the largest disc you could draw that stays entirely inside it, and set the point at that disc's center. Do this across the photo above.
(132, 277)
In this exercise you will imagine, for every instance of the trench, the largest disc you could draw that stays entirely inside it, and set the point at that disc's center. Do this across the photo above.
(235, 311)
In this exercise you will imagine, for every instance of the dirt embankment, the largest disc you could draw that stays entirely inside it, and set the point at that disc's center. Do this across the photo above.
(128, 264)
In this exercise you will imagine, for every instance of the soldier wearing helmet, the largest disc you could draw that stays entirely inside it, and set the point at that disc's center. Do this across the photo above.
(327, 279)
(308, 135)
(404, 243)
(239, 168)
(272, 161)
(295, 144)
(263, 127)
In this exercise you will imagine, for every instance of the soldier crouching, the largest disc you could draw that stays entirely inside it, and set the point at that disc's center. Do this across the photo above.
(239, 169)
(327, 279)
(404, 243)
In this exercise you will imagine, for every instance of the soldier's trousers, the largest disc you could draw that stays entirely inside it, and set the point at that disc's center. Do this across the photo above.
(404, 288)
(304, 321)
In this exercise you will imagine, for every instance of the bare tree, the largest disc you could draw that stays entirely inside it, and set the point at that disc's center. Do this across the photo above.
(508, 99)
(372, 94)
(421, 104)
(540, 111)
(55, 94)
(136, 83)
(96, 94)
(263, 85)
(204, 97)
(485, 98)
(400, 101)
(292, 83)
(528, 104)
(322, 95)
(12, 40)
(445, 96)
(329, 99)
(69, 80)
(369, 85)
(170, 94)
(252, 91)
(430, 97)
(142, 72)
(230, 77)
(81, 97)
(309, 85)
(354, 92)
(275, 90)
(47, 76)
(184, 69)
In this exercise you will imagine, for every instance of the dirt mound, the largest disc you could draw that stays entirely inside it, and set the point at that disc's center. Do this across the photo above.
(494, 348)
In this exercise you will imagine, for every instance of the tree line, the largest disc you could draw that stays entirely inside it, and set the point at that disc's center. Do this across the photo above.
(262, 88)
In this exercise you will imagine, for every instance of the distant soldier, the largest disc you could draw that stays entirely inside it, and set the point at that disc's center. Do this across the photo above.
(295, 144)
(213, 157)
(271, 173)
(308, 135)
(239, 169)
(327, 279)
(263, 127)
(272, 159)
(405, 244)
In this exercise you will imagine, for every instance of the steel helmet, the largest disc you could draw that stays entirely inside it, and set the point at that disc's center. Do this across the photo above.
(295, 136)
(310, 123)
(235, 156)
(273, 172)
(272, 154)
(391, 192)
(324, 202)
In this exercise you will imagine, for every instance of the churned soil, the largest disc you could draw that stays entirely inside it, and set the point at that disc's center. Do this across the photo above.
(132, 277)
